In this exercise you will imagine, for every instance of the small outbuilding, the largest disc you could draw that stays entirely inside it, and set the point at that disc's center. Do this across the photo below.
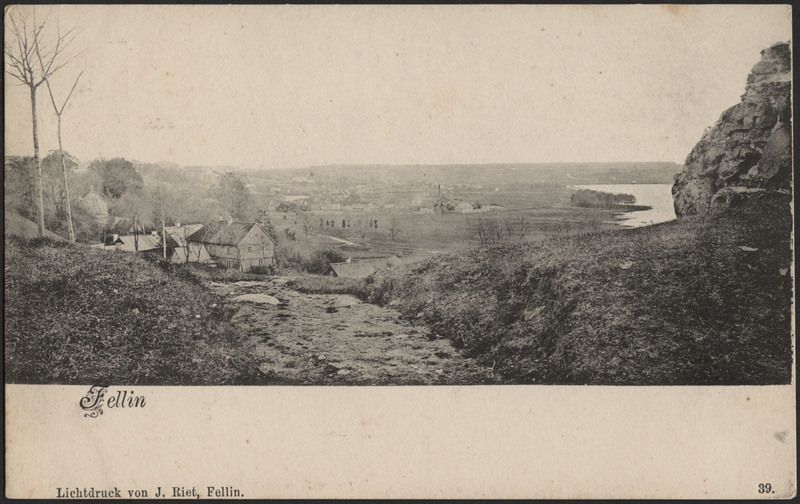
(350, 270)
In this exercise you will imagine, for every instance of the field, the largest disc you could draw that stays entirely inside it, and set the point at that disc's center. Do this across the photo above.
(518, 215)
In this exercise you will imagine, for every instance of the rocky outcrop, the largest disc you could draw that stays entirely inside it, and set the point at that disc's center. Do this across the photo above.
(749, 149)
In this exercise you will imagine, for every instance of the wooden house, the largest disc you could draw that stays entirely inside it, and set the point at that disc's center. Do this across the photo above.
(180, 250)
(240, 245)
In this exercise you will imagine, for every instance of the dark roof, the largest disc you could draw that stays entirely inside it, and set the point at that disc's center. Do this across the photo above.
(146, 241)
(172, 242)
(180, 233)
(223, 233)
(351, 269)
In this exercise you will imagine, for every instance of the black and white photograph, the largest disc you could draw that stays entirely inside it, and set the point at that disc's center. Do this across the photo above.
(389, 200)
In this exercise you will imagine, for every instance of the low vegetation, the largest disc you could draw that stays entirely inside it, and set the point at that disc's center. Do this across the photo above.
(315, 284)
(291, 256)
(81, 316)
(598, 199)
(696, 301)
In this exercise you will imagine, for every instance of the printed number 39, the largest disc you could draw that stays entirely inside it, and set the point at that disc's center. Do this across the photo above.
(764, 488)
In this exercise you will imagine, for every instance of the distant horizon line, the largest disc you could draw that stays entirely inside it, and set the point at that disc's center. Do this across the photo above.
(247, 167)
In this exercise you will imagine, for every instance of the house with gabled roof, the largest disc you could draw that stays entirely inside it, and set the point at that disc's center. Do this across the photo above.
(178, 247)
(239, 245)
(140, 242)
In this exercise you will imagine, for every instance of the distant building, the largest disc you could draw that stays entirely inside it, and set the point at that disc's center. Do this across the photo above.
(350, 270)
(133, 242)
(361, 268)
(240, 245)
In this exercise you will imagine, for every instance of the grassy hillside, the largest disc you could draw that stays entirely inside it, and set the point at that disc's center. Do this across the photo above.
(676, 303)
(17, 225)
(79, 315)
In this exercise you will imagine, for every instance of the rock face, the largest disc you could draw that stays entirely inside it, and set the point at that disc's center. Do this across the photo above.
(749, 149)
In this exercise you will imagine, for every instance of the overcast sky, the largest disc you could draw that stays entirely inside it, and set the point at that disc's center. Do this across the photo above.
(279, 87)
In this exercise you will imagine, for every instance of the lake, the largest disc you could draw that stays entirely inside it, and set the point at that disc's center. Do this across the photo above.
(656, 196)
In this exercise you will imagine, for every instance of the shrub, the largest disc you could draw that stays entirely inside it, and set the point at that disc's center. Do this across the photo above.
(262, 270)
(321, 259)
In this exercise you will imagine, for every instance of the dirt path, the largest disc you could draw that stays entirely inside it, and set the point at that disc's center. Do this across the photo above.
(336, 339)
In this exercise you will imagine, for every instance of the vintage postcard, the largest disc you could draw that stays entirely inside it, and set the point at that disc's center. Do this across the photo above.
(484, 251)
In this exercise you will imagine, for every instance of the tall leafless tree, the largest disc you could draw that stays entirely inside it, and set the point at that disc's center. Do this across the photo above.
(30, 61)
(307, 224)
(59, 112)
(394, 229)
(363, 227)
(162, 211)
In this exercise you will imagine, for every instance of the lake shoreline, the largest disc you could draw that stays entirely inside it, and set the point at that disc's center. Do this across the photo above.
(655, 198)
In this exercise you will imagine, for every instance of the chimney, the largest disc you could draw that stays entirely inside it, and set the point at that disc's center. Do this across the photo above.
(349, 259)
(154, 233)
(230, 220)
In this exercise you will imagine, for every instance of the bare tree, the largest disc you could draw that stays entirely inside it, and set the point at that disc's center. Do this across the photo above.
(162, 211)
(394, 229)
(307, 224)
(363, 227)
(31, 62)
(137, 206)
(479, 229)
(524, 226)
(200, 243)
(495, 229)
(509, 225)
(59, 112)
(489, 230)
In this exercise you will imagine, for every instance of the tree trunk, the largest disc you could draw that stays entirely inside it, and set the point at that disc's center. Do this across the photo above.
(66, 183)
(39, 178)
(135, 235)
(163, 228)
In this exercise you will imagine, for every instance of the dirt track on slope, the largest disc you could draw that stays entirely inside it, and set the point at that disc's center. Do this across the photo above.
(334, 339)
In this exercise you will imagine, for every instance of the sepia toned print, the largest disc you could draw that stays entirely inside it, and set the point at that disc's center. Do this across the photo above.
(254, 268)
(243, 209)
